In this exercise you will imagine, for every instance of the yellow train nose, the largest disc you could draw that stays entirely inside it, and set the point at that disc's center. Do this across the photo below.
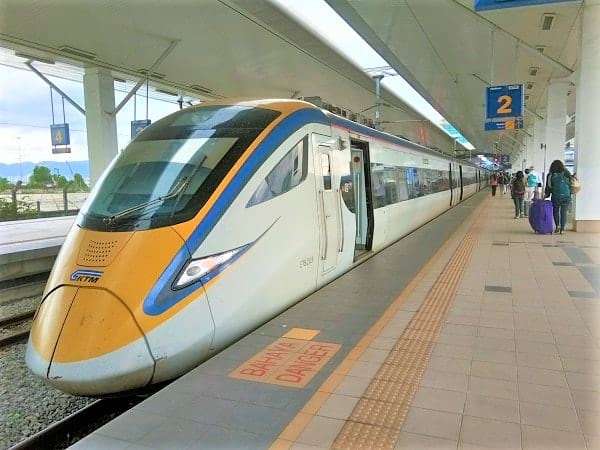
(89, 342)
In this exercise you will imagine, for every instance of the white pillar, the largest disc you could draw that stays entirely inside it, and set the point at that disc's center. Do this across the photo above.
(556, 123)
(539, 137)
(529, 148)
(98, 88)
(587, 129)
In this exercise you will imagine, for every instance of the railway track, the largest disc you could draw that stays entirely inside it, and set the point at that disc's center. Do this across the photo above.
(11, 328)
(17, 296)
(70, 429)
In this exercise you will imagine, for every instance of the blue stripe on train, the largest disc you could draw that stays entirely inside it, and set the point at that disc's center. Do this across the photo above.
(162, 297)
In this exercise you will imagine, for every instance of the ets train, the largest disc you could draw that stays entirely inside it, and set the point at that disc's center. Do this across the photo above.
(215, 219)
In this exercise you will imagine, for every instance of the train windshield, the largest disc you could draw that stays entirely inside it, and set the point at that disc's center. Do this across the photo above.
(166, 174)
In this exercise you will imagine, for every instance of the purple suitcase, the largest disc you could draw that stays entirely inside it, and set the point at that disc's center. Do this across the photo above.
(540, 216)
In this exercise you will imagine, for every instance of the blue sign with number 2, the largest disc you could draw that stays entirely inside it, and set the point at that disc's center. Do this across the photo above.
(504, 101)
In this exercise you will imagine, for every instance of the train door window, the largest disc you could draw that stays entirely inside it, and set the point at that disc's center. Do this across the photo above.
(326, 171)
(377, 185)
(289, 172)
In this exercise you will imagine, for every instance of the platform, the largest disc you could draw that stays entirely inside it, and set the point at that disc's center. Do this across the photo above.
(28, 247)
(472, 332)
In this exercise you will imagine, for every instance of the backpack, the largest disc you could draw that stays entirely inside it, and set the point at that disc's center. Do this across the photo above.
(532, 180)
(561, 185)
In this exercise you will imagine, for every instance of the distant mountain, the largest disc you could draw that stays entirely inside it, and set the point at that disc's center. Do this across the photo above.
(13, 171)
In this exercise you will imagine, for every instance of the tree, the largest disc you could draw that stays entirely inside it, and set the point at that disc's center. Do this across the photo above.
(80, 183)
(41, 177)
(60, 181)
(5, 185)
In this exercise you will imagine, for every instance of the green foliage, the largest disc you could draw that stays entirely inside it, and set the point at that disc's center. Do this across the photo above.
(60, 181)
(16, 211)
(41, 177)
(79, 183)
(5, 185)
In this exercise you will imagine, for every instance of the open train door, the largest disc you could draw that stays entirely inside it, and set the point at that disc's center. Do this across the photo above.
(460, 179)
(363, 201)
(451, 181)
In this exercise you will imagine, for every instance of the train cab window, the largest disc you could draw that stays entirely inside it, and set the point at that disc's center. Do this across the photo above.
(289, 172)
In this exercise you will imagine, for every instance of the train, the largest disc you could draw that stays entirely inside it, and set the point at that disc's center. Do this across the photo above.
(215, 219)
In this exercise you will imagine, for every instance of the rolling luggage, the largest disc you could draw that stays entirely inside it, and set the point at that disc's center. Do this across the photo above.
(540, 216)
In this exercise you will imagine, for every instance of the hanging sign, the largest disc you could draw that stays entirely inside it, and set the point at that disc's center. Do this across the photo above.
(508, 124)
(137, 126)
(504, 101)
(60, 150)
(60, 134)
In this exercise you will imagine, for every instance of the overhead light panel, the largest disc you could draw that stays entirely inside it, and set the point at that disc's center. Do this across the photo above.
(526, 97)
(533, 71)
(163, 91)
(34, 58)
(77, 52)
(529, 86)
(199, 88)
(547, 21)
(540, 48)
(119, 80)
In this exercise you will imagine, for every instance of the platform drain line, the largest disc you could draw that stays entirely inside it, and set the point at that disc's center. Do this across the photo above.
(378, 417)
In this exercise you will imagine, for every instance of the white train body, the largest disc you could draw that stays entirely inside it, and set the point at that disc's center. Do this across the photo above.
(325, 194)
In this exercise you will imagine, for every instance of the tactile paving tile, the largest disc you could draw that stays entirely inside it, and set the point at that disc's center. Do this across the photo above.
(362, 436)
(378, 417)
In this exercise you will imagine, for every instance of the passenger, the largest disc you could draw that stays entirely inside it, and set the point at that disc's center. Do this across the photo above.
(494, 183)
(517, 190)
(506, 185)
(530, 185)
(558, 184)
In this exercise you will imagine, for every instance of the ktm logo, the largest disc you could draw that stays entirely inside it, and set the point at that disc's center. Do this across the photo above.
(86, 276)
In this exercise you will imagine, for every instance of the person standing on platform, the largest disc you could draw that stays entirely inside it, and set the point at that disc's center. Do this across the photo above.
(558, 185)
(494, 183)
(517, 190)
(530, 185)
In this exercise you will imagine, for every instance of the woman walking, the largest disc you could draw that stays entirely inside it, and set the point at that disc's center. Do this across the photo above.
(494, 184)
(558, 184)
(517, 190)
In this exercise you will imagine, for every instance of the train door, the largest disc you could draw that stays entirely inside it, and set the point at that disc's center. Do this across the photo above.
(363, 205)
(331, 235)
(460, 178)
(451, 181)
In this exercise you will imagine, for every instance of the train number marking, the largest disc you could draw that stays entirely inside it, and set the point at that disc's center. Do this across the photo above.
(305, 262)
(86, 276)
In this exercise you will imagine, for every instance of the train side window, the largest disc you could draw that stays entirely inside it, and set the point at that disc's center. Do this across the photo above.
(289, 172)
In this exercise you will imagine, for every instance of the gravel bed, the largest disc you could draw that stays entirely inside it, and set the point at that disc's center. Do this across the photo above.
(27, 405)
(19, 306)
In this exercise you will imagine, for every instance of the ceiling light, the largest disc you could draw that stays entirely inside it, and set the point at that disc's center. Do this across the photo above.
(199, 88)
(119, 80)
(547, 21)
(163, 91)
(540, 48)
(533, 71)
(77, 52)
(526, 97)
(528, 86)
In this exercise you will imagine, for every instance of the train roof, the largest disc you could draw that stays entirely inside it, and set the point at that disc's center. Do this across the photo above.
(288, 106)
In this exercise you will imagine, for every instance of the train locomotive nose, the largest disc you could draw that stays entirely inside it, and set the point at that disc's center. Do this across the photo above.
(87, 341)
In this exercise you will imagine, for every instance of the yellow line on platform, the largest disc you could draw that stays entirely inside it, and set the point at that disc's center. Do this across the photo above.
(376, 423)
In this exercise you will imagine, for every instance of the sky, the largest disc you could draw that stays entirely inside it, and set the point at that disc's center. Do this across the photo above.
(25, 107)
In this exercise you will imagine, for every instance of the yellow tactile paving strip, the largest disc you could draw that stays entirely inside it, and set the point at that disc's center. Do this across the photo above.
(385, 404)
(412, 360)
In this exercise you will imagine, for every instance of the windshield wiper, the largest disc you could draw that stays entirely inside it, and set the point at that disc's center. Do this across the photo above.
(179, 187)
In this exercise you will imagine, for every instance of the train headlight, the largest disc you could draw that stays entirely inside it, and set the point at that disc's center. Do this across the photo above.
(207, 267)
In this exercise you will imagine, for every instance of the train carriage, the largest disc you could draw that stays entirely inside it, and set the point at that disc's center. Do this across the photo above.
(215, 219)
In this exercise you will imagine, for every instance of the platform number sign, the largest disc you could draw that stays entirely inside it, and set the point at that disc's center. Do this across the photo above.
(137, 126)
(504, 107)
(504, 101)
(60, 134)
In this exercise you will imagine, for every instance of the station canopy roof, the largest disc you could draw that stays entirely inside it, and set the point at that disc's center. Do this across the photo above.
(450, 53)
(218, 48)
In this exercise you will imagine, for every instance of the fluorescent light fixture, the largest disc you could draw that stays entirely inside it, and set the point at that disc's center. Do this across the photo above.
(158, 75)
(533, 71)
(77, 52)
